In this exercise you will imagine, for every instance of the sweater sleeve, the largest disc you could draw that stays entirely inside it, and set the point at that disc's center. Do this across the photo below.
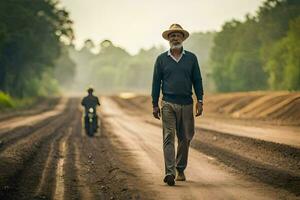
(197, 80)
(156, 82)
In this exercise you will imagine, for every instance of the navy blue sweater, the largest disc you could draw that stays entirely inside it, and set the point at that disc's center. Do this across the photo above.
(176, 79)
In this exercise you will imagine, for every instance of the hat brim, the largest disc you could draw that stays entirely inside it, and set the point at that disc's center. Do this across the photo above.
(166, 33)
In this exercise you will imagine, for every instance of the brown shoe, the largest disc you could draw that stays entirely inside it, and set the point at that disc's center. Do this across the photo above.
(169, 179)
(180, 176)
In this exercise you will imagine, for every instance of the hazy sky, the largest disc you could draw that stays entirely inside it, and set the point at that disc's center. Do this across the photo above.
(135, 24)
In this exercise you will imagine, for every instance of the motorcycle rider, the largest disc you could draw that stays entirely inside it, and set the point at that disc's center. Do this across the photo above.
(90, 101)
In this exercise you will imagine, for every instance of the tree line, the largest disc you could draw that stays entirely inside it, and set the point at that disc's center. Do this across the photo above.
(37, 55)
(33, 38)
(260, 53)
(112, 69)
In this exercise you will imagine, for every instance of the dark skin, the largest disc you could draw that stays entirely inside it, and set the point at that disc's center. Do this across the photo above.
(176, 40)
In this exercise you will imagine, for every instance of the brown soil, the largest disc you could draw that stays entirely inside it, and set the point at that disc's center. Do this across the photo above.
(55, 159)
(271, 163)
(268, 162)
(278, 108)
(42, 105)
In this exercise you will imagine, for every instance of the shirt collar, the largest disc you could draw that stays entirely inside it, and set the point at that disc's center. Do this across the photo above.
(182, 53)
(177, 60)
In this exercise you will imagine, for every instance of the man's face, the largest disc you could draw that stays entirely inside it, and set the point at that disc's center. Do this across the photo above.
(175, 39)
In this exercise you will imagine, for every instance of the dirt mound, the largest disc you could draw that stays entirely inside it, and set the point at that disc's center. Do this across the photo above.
(282, 108)
(41, 105)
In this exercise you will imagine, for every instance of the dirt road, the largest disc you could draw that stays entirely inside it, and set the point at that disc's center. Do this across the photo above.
(48, 156)
(207, 178)
(52, 158)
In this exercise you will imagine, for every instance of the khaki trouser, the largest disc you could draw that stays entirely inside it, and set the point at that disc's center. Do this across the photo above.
(177, 119)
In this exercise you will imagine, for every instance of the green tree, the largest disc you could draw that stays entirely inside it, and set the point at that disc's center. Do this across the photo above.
(31, 34)
(201, 44)
(65, 69)
(261, 52)
(284, 63)
(221, 55)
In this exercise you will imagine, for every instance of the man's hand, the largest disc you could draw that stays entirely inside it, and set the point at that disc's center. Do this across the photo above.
(199, 108)
(156, 112)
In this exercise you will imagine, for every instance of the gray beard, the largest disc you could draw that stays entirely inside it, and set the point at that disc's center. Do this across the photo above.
(179, 46)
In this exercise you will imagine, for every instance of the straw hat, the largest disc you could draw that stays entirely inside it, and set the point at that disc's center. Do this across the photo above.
(175, 28)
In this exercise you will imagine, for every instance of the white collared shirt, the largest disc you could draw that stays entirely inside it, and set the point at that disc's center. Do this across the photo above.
(169, 54)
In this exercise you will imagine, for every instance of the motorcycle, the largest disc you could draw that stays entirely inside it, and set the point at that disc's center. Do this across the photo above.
(91, 122)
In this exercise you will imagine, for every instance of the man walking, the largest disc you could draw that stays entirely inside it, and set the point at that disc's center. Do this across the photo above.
(176, 71)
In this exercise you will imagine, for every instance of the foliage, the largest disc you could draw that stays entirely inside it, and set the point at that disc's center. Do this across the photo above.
(260, 53)
(113, 69)
(284, 60)
(64, 71)
(201, 44)
(31, 33)
(6, 101)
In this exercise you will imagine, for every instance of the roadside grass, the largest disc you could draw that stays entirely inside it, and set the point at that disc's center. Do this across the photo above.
(6, 101)
(9, 103)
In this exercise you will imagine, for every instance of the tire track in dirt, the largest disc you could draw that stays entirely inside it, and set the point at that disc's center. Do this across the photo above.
(14, 136)
(101, 170)
(37, 178)
(59, 186)
(59, 174)
(58, 161)
(83, 191)
(265, 172)
(11, 136)
(28, 157)
(47, 170)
